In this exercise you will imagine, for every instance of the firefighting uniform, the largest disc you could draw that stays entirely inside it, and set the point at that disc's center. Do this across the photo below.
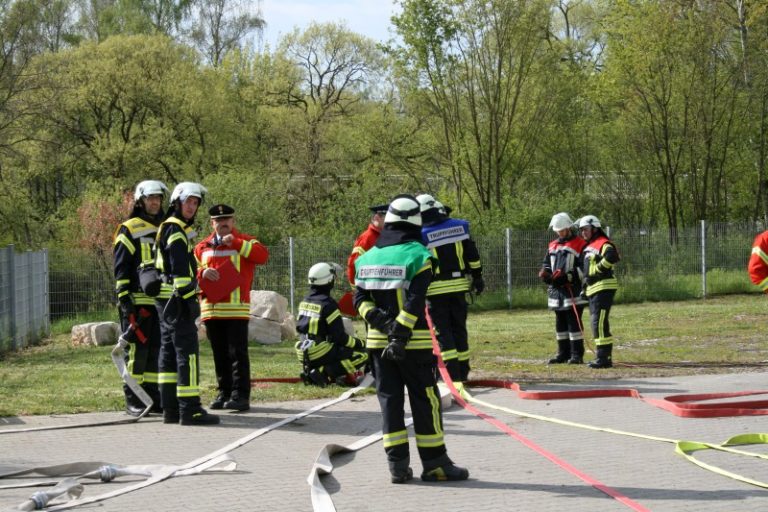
(758, 261)
(600, 256)
(323, 343)
(457, 258)
(364, 242)
(179, 349)
(394, 276)
(226, 320)
(133, 243)
(564, 295)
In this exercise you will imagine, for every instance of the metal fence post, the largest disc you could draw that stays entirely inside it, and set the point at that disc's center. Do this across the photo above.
(290, 269)
(12, 295)
(703, 259)
(507, 236)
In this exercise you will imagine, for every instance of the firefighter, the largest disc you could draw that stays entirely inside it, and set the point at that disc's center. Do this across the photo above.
(391, 283)
(133, 244)
(226, 262)
(366, 239)
(458, 260)
(178, 308)
(327, 353)
(560, 271)
(600, 257)
(758, 262)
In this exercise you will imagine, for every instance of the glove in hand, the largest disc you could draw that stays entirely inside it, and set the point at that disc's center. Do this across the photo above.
(395, 349)
(545, 275)
(378, 319)
(359, 344)
(478, 284)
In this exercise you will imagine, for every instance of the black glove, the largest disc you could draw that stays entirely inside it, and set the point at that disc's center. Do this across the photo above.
(545, 275)
(395, 349)
(359, 344)
(559, 278)
(378, 319)
(478, 284)
(126, 306)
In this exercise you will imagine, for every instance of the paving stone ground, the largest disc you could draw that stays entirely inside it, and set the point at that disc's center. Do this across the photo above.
(505, 474)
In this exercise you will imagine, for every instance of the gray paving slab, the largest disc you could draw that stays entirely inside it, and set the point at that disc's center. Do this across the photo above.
(505, 474)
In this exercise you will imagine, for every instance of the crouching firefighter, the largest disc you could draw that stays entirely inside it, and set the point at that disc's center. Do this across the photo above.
(133, 244)
(391, 282)
(327, 353)
(178, 308)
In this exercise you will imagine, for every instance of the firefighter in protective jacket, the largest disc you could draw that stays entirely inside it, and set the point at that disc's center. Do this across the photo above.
(391, 283)
(560, 270)
(458, 259)
(227, 259)
(327, 353)
(178, 308)
(758, 261)
(133, 245)
(600, 258)
(366, 239)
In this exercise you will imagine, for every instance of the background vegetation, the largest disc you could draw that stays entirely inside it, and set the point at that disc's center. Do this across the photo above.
(644, 112)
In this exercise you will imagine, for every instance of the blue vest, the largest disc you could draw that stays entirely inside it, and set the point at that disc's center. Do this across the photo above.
(447, 232)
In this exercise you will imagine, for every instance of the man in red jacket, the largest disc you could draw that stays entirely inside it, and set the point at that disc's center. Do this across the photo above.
(758, 261)
(226, 262)
(367, 239)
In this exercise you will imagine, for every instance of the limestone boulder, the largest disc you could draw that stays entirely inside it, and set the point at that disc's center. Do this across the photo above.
(95, 333)
(264, 331)
(268, 304)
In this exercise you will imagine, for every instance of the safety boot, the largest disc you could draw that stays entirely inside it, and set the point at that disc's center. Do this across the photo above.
(238, 404)
(199, 417)
(603, 359)
(402, 476)
(400, 470)
(577, 352)
(133, 406)
(447, 473)
(218, 402)
(563, 352)
(171, 416)
(317, 378)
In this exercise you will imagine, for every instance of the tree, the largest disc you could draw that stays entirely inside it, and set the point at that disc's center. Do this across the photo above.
(222, 26)
(675, 70)
(482, 67)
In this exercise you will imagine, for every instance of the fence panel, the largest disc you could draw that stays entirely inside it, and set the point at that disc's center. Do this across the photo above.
(656, 263)
(24, 307)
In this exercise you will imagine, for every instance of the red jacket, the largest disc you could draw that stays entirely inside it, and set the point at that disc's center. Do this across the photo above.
(244, 254)
(364, 242)
(758, 261)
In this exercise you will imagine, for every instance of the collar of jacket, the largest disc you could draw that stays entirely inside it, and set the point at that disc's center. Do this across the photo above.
(393, 234)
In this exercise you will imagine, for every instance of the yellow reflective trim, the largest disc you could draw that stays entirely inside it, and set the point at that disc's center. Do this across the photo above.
(460, 254)
(395, 438)
(176, 236)
(434, 403)
(333, 316)
(122, 239)
(167, 378)
(430, 440)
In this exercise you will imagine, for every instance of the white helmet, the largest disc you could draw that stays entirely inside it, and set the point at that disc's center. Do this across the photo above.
(427, 202)
(404, 208)
(560, 221)
(322, 273)
(187, 189)
(149, 188)
(589, 220)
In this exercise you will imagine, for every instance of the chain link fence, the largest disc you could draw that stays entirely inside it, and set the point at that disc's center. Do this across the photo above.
(656, 264)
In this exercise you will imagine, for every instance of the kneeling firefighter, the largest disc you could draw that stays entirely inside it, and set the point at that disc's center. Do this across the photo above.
(326, 351)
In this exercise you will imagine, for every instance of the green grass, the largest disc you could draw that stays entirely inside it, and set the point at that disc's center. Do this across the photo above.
(720, 334)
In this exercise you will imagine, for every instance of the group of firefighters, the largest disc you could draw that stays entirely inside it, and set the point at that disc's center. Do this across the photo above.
(413, 261)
